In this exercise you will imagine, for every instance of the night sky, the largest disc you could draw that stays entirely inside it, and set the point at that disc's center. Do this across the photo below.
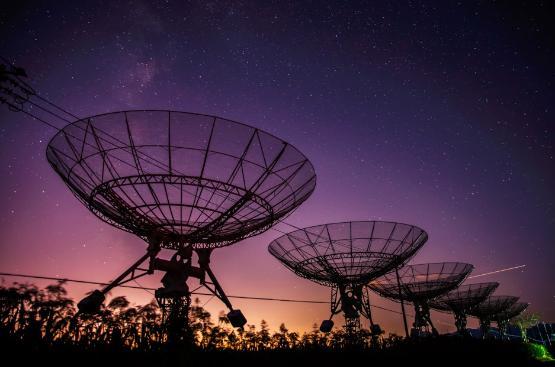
(437, 114)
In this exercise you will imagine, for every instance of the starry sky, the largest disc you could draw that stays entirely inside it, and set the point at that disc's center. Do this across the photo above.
(438, 114)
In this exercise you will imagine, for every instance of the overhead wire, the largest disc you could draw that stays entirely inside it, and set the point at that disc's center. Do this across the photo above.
(203, 293)
(143, 288)
(62, 279)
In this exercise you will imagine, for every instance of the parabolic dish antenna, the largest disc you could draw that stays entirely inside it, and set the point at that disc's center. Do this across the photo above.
(179, 178)
(182, 181)
(419, 284)
(461, 300)
(346, 256)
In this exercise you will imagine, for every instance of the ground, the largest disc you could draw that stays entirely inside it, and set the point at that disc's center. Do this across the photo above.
(434, 352)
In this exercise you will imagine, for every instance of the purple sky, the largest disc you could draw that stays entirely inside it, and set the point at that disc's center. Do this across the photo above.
(438, 115)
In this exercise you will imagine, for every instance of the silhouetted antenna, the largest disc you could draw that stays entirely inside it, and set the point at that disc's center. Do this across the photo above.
(462, 299)
(181, 181)
(487, 310)
(419, 284)
(346, 256)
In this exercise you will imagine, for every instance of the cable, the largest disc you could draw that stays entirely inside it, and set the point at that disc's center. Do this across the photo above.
(210, 294)
(194, 292)
(151, 289)
(209, 299)
(143, 288)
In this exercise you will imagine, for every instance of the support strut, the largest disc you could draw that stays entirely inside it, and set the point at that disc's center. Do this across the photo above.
(422, 320)
(402, 303)
(460, 323)
(235, 317)
(174, 297)
(92, 303)
(485, 325)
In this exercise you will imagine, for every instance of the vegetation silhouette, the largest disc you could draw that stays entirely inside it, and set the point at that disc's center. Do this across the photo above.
(43, 325)
(47, 317)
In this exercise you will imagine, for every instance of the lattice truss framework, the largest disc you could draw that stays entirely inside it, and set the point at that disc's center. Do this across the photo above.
(348, 252)
(422, 282)
(182, 178)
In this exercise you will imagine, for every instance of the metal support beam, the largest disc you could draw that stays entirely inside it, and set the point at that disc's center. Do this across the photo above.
(91, 304)
(402, 303)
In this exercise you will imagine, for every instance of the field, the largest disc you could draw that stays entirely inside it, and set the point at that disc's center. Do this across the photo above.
(443, 351)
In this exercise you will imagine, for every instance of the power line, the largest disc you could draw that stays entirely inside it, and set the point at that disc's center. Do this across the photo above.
(151, 289)
(210, 294)
(194, 292)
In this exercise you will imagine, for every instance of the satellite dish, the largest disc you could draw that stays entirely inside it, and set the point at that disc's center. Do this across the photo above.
(181, 181)
(346, 256)
(419, 284)
(462, 299)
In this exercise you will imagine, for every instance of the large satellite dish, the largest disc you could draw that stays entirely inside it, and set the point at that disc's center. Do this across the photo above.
(181, 181)
(462, 299)
(179, 178)
(419, 284)
(346, 256)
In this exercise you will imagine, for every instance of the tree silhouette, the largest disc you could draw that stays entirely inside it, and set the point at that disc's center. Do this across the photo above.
(44, 320)
(47, 318)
